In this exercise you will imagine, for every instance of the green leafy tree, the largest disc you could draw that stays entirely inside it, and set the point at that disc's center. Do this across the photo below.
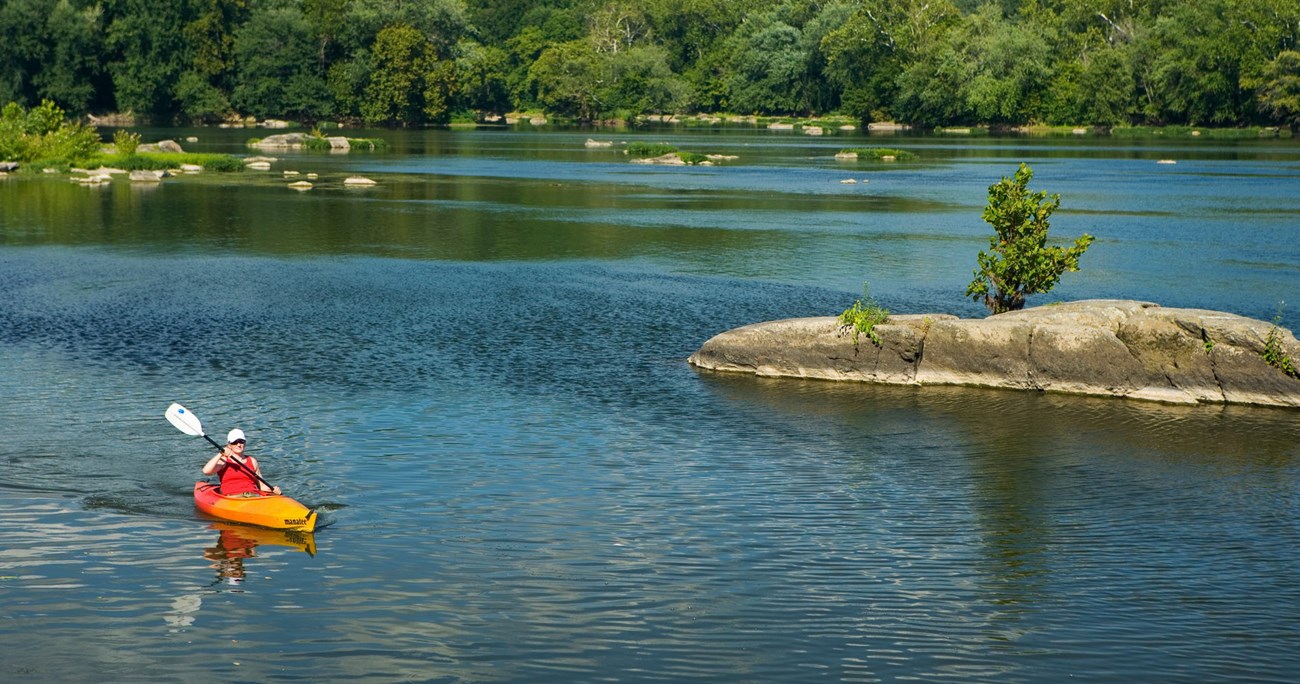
(442, 23)
(1019, 261)
(499, 20)
(689, 30)
(22, 48)
(72, 70)
(1096, 89)
(1009, 68)
(566, 81)
(440, 92)
(277, 71)
(1191, 66)
(615, 27)
(931, 89)
(778, 61)
(482, 74)
(642, 83)
(824, 94)
(147, 54)
(615, 68)
(1277, 89)
(199, 99)
(203, 88)
(408, 83)
(522, 52)
(869, 52)
(696, 34)
(768, 69)
(325, 18)
(50, 49)
(634, 76)
(360, 55)
(863, 62)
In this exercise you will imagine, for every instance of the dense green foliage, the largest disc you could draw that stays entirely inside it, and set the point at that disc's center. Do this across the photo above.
(414, 62)
(1019, 262)
(41, 134)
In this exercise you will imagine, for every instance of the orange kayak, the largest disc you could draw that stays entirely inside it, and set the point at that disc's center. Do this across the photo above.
(269, 510)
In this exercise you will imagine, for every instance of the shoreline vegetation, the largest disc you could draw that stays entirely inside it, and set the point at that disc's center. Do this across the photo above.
(42, 139)
(811, 125)
(933, 64)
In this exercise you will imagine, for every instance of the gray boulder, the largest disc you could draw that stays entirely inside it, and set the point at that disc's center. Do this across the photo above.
(161, 146)
(282, 141)
(1099, 347)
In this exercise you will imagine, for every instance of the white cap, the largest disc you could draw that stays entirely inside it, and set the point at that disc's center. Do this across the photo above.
(234, 435)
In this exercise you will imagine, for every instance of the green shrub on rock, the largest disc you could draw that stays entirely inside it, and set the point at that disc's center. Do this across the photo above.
(863, 317)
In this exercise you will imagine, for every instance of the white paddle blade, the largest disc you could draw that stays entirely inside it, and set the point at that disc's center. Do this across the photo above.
(184, 421)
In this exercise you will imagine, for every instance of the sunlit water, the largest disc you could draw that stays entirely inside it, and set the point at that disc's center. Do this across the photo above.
(476, 372)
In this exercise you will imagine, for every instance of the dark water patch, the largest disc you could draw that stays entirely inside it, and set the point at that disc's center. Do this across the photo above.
(365, 323)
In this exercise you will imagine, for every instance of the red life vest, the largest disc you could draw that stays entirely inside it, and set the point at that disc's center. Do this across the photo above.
(235, 481)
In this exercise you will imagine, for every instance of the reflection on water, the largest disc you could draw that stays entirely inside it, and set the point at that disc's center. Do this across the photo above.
(183, 611)
(238, 543)
(228, 556)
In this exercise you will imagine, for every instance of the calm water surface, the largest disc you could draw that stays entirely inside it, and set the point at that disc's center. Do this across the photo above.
(476, 371)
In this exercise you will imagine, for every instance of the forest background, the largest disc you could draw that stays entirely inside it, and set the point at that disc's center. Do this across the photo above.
(419, 62)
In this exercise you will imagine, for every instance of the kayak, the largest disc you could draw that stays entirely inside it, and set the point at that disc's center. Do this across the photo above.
(268, 510)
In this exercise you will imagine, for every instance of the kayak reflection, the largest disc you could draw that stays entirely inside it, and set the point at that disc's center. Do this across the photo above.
(236, 543)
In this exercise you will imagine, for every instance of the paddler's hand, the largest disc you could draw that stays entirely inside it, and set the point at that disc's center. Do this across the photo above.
(275, 490)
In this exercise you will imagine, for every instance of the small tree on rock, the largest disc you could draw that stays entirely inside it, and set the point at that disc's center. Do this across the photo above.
(1019, 263)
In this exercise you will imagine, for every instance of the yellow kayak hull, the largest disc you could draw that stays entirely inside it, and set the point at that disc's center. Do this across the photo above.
(275, 511)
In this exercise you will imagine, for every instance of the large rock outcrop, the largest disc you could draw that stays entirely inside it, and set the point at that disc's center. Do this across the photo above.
(1098, 347)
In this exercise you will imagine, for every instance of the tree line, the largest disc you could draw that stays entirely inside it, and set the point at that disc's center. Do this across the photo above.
(420, 62)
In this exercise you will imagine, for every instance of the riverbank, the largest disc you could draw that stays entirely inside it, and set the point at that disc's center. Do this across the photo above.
(811, 125)
(1115, 348)
(836, 124)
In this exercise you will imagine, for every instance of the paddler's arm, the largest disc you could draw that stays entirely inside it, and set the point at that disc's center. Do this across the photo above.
(215, 463)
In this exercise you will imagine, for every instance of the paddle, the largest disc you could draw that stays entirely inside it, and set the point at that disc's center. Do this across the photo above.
(187, 422)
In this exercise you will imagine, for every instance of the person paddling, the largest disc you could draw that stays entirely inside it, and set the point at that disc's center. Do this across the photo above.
(240, 474)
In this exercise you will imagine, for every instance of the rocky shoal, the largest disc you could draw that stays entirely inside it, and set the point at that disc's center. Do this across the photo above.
(1115, 348)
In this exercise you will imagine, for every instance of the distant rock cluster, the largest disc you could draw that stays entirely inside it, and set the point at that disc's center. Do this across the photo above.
(1116, 348)
(297, 141)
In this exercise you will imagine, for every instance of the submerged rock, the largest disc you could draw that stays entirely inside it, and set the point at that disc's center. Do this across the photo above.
(1113, 348)
(670, 159)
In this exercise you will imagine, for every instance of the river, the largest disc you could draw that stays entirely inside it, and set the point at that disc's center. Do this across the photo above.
(475, 370)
